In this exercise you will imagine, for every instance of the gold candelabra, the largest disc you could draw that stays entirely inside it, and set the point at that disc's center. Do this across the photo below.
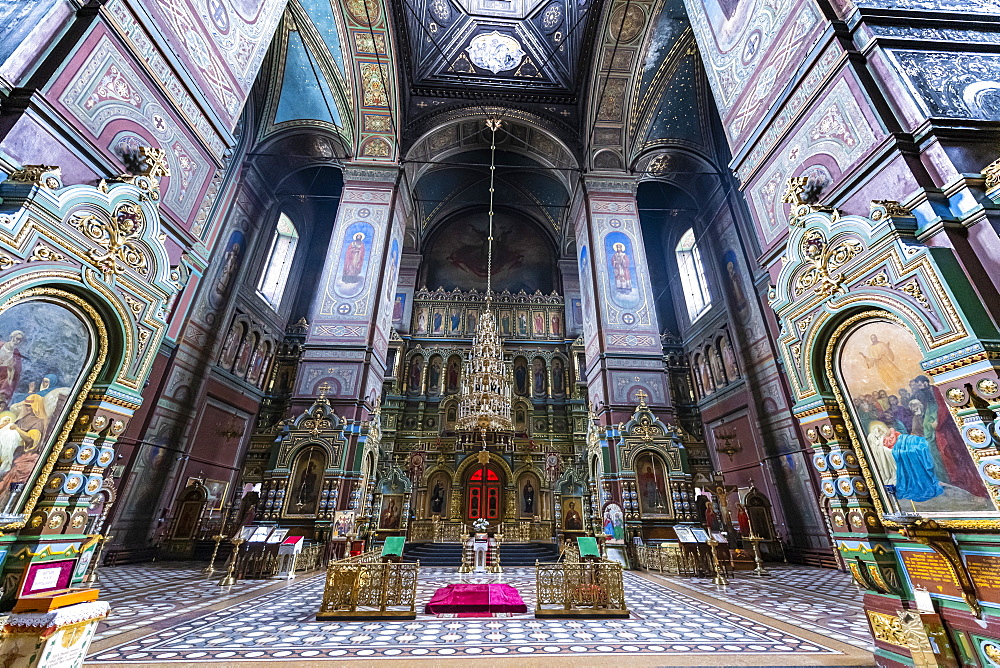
(720, 579)
(210, 569)
(755, 540)
(230, 579)
(726, 441)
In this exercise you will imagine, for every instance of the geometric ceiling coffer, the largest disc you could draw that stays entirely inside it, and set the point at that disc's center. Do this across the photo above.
(507, 9)
(495, 52)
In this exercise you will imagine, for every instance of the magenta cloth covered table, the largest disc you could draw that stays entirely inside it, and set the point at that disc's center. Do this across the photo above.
(491, 598)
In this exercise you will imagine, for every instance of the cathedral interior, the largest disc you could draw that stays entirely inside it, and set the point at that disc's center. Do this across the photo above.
(470, 330)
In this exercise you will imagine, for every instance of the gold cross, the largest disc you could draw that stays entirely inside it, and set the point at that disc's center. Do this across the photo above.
(323, 389)
(642, 397)
(156, 162)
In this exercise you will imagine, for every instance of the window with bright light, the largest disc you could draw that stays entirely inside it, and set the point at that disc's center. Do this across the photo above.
(279, 263)
(692, 272)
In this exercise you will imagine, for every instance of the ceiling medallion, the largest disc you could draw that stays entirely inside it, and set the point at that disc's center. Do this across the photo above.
(495, 52)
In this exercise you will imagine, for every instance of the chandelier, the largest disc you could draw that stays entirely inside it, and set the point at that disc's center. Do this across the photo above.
(484, 398)
(727, 442)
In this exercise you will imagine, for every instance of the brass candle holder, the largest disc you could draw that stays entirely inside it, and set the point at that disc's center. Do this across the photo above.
(92, 577)
(210, 569)
(720, 579)
(760, 571)
(230, 579)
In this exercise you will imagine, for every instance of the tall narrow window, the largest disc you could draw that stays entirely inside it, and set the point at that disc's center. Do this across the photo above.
(279, 262)
(692, 272)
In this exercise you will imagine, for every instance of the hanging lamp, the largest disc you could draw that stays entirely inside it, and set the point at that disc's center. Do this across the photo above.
(484, 397)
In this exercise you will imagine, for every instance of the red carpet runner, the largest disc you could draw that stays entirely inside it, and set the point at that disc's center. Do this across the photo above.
(491, 598)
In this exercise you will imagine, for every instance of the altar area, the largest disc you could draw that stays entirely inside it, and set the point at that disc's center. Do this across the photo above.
(169, 614)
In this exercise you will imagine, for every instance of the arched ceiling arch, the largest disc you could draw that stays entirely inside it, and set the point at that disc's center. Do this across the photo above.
(332, 67)
(649, 88)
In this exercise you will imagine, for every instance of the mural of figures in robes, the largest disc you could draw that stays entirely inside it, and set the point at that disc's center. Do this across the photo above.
(306, 482)
(651, 476)
(392, 508)
(352, 272)
(454, 373)
(398, 308)
(434, 375)
(45, 351)
(614, 524)
(414, 377)
(422, 322)
(734, 285)
(622, 279)
(558, 377)
(392, 270)
(909, 435)
(529, 497)
(571, 517)
(521, 376)
(538, 376)
(232, 257)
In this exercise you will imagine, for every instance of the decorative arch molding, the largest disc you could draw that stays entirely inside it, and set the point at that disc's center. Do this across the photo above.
(844, 272)
(394, 481)
(317, 425)
(98, 253)
(837, 266)
(495, 460)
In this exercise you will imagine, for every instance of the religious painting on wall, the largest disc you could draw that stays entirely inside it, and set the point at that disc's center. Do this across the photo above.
(398, 308)
(414, 376)
(555, 324)
(421, 326)
(912, 444)
(390, 515)
(456, 255)
(614, 524)
(454, 373)
(538, 323)
(216, 491)
(352, 273)
(434, 372)
(437, 321)
(558, 377)
(437, 500)
(572, 513)
(44, 350)
(505, 322)
(455, 321)
(305, 483)
(528, 497)
(622, 278)
(734, 285)
(538, 383)
(232, 256)
(392, 269)
(651, 476)
(471, 319)
(344, 523)
(521, 376)
(522, 323)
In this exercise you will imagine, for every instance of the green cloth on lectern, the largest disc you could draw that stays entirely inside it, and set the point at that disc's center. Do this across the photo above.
(393, 546)
(588, 547)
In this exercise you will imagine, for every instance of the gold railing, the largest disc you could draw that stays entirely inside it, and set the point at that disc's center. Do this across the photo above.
(663, 558)
(450, 532)
(310, 559)
(422, 531)
(257, 565)
(516, 532)
(369, 590)
(541, 531)
(580, 589)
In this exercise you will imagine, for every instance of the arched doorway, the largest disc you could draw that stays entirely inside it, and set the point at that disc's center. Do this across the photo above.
(484, 494)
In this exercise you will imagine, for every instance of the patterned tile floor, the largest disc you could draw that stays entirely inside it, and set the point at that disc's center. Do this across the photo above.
(822, 599)
(168, 613)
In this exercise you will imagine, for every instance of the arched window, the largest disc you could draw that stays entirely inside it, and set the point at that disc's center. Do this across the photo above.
(279, 262)
(692, 272)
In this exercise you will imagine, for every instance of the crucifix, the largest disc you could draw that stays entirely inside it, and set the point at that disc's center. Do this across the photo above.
(323, 389)
(641, 396)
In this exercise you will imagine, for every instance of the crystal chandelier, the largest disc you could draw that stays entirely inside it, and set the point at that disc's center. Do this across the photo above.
(484, 398)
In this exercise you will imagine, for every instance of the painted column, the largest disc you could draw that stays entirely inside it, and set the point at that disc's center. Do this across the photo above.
(350, 320)
(621, 335)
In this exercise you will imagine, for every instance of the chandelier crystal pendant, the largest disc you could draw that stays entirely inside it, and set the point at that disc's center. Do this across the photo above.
(484, 397)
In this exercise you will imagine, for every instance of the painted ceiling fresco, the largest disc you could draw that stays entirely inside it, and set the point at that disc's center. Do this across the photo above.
(531, 46)
(456, 255)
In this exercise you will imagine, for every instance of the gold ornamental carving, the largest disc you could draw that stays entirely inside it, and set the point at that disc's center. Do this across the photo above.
(887, 628)
(992, 174)
(46, 176)
(118, 239)
(824, 259)
(154, 166)
(888, 208)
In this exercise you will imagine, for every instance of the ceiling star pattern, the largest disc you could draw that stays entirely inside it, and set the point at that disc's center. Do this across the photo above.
(527, 48)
